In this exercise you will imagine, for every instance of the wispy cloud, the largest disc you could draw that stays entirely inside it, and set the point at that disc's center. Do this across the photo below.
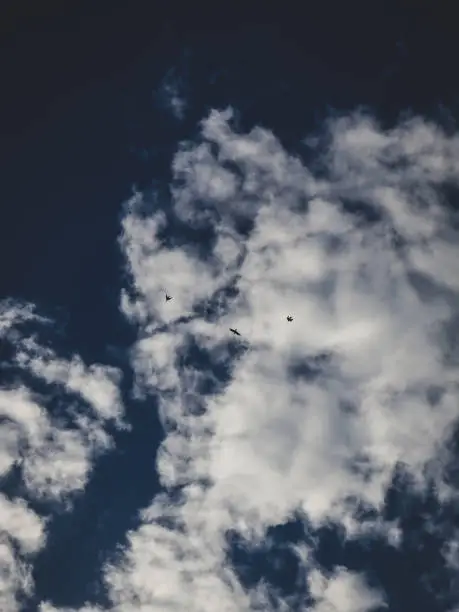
(171, 97)
(52, 451)
(315, 415)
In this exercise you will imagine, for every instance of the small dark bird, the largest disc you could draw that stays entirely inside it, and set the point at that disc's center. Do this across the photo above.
(234, 331)
(168, 297)
(289, 319)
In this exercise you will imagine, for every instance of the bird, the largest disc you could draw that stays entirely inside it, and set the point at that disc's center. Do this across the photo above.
(234, 331)
(289, 319)
(168, 297)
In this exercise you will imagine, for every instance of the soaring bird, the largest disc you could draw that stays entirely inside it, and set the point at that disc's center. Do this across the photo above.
(168, 297)
(289, 319)
(234, 331)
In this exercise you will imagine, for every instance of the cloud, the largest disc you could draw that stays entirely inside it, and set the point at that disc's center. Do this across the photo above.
(308, 419)
(171, 96)
(343, 592)
(314, 416)
(23, 527)
(53, 425)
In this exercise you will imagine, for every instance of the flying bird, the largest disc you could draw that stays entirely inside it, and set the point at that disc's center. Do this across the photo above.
(168, 297)
(289, 319)
(234, 331)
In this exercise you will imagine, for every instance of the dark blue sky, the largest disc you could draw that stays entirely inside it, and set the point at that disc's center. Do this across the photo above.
(79, 127)
(77, 112)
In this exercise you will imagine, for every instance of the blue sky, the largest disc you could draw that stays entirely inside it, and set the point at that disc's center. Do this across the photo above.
(252, 167)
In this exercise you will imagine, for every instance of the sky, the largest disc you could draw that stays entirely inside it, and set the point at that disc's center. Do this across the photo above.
(252, 166)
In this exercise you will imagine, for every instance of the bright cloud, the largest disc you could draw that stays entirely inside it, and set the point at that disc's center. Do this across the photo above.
(318, 413)
(54, 453)
(343, 592)
(308, 418)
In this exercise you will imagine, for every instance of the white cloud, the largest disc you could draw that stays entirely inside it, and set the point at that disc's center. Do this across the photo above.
(54, 458)
(280, 438)
(316, 414)
(343, 592)
(14, 312)
(174, 272)
(15, 578)
(96, 384)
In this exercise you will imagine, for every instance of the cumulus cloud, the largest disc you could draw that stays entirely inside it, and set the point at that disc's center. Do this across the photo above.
(306, 419)
(53, 451)
(315, 415)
